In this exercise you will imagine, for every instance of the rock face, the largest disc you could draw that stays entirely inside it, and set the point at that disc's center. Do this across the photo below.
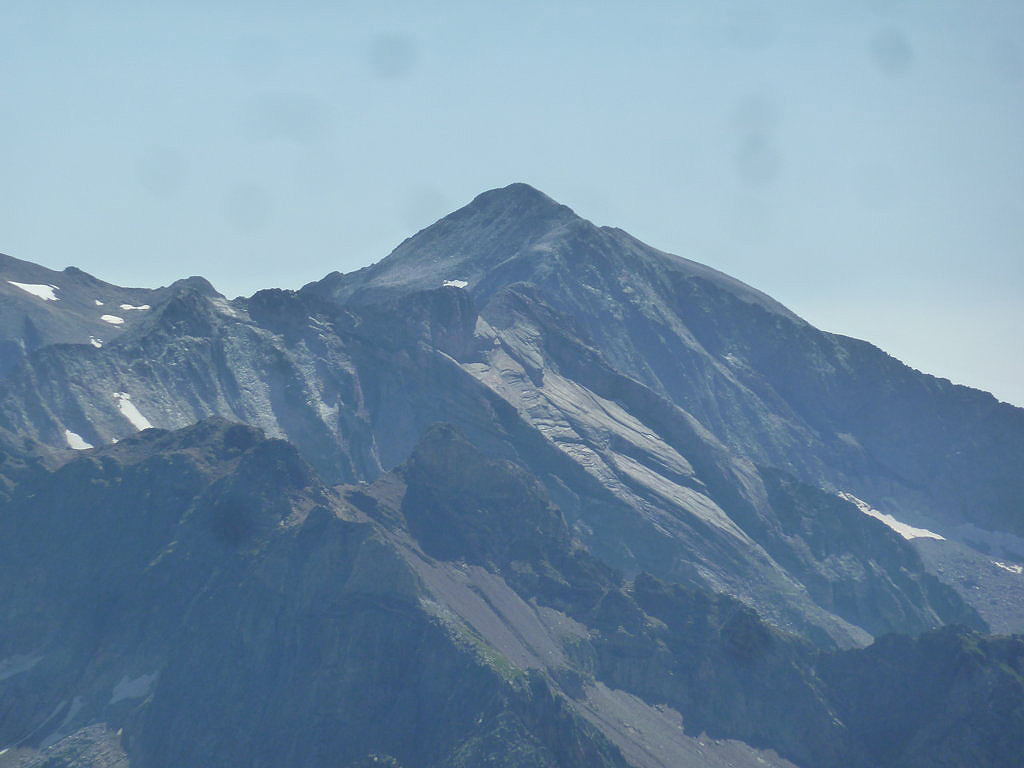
(181, 579)
(199, 597)
(593, 487)
(829, 409)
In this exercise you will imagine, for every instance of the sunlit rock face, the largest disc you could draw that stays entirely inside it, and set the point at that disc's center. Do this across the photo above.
(628, 507)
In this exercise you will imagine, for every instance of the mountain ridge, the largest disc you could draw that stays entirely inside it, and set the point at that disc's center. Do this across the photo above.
(662, 331)
(647, 465)
(751, 385)
(533, 216)
(219, 556)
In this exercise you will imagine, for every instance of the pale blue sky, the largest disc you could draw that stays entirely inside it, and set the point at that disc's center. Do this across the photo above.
(861, 161)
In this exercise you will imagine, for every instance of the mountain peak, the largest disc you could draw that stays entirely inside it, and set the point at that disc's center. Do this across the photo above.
(518, 197)
(462, 249)
(517, 234)
(526, 209)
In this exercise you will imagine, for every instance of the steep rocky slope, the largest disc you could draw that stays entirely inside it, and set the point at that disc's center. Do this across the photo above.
(673, 500)
(200, 597)
(179, 580)
(832, 410)
(539, 358)
(644, 483)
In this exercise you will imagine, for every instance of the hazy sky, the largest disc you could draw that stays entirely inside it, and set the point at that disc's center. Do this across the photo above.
(861, 160)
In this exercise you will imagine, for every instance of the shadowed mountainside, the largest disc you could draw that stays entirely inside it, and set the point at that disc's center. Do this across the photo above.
(206, 576)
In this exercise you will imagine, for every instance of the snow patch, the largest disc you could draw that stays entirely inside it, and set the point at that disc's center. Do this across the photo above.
(1012, 568)
(112, 319)
(98, 302)
(129, 306)
(454, 284)
(130, 412)
(904, 530)
(138, 688)
(96, 342)
(44, 292)
(75, 441)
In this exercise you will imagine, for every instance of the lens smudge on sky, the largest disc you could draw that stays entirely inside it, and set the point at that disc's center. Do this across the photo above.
(392, 56)
(161, 171)
(892, 52)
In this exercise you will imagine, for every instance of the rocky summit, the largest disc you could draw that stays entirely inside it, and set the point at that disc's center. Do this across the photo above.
(526, 492)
